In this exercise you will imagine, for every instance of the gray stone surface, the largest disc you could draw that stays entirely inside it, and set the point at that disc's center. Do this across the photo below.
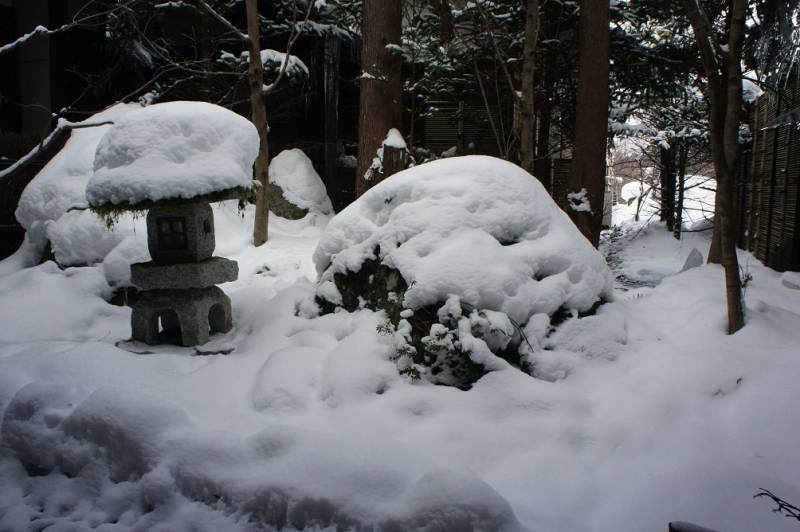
(281, 206)
(694, 260)
(154, 276)
(181, 233)
(183, 317)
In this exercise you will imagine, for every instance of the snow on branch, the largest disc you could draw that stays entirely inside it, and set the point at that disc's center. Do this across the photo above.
(62, 127)
(270, 59)
(38, 30)
(81, 18)
(293, 35)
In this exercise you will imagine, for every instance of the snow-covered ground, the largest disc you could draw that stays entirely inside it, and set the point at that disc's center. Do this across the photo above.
(698, 202)
(659, 415)
(644, 413)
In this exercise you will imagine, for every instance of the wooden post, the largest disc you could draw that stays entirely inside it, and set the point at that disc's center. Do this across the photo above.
(394, 160)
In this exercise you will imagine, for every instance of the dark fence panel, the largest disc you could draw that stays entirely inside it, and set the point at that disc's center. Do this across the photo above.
(770, 227)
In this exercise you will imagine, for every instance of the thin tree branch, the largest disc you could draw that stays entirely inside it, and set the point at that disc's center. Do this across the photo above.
(703, 36)
(293, 35)
(42, 30)
(782, 507)
(62, 127)
(225, 22)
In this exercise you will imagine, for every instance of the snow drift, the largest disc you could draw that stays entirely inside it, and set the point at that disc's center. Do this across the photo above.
(657, 415)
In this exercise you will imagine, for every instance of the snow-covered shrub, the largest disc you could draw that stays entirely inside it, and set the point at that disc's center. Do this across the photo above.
(293, 174)
(460, 253)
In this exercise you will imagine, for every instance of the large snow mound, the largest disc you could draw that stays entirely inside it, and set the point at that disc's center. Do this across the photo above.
(294, 173)
(175, 150)
(76, 237)
(475, 227)
(61, 184)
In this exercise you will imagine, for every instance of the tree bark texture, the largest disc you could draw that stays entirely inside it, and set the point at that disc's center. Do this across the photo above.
(667, 171)
(591, 121)
(723, 70)
(258, 115)
(381, 91)
(527, 145)
(677, 227)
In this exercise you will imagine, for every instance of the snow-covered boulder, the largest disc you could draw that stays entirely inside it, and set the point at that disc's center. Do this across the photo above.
(175, 150)
(76, 237)
(292, 174)
(461, 253)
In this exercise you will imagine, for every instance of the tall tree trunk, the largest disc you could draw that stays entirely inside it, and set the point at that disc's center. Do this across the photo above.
(667, 179)
(725, 97)
(678, 226)
(548, 18)
(526, 120)
(258, 115)
(380, 103)
(732, 153)
(331, 125)
(715, 248)
(591, 121)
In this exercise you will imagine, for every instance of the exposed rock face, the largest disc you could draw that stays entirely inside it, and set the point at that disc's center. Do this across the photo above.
(281, 206)
(471, 261)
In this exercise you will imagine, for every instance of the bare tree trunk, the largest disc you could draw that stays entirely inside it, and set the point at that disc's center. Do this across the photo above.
(725, 97)
(732, 152)
(544, 104)
(715, 249)
(668, 186)
(258, 115)
(526, 121)
(591, 121)
(678, 226)
(380, 105)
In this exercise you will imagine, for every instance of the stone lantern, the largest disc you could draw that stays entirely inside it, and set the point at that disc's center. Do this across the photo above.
(173, 159)
(181, 303)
